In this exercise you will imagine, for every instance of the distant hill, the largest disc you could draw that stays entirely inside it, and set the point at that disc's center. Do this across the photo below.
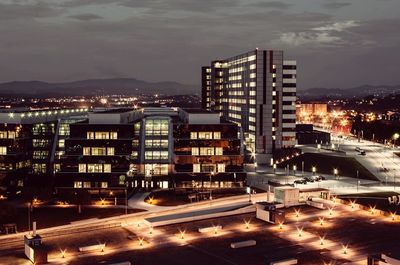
(127, 86)
(360, 91)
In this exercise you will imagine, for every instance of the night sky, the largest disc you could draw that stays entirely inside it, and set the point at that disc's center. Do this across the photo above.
(337, 43)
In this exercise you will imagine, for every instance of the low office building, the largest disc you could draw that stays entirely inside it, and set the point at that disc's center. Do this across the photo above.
(151, 148)
(306, 134)
(28, 141)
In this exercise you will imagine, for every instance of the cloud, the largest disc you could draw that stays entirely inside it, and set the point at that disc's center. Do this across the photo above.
(338, 26)
(325, 35)
(271, 4)
(302, 38)
(335, 5)
(22, 10)
(86, 17)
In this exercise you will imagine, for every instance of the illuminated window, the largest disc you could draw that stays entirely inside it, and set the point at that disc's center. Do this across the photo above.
(86, 151)
(82, 168)
(3, 150)
(98, 151)
(113, 135)
(206, 151)
(77, 184)
(107, 168)
(86, 184)
(196, 168)
(61, 143)
(221, 167)
(102, 135)
(217, 135)
(218, 151)
(39, 168)
(195, 151)
(110, 151)
(3, 134)
(205, 135)
(94, 168)
(90, 135)
(104, 185)
(193, 135)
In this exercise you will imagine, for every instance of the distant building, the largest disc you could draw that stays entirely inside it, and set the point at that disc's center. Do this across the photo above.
(151, 148)
(257, 91)
(306, 134)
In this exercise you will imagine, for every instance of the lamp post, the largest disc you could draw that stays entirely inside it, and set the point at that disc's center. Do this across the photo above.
(336, 173)
(314, 170)
(294, 170)
(395, 137)
(211, 175)
(302, 168)
(126, 197)
(248, 189)
(255, 167)
(274, 167)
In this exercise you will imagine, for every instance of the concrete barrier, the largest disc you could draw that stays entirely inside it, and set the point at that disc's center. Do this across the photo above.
(284, 262)
(122, 263)
(243, 244)
(177, 219)
(318, 205)
(210, 229)
(92, 247)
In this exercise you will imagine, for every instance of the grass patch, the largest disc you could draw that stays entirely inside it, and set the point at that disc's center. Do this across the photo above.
(325, 164)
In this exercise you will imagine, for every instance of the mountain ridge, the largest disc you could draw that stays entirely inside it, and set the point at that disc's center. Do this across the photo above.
(128, 86)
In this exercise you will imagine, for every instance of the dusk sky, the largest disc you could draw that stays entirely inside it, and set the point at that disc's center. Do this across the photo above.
(337, 43)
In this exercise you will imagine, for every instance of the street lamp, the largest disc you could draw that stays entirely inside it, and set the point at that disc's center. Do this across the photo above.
(248, 190)
(294, 169)
(336, 173)
(274, 167)
(395, 137)
(211, 175)
(314, 170)
(255, 166)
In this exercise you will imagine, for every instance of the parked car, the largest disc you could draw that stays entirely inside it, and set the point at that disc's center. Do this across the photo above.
(362, 152)
(309, 179)
(300, 181)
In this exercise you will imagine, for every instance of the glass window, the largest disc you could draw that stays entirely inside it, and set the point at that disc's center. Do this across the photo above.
(98, 151)
(77, 184)
(217, 135)
(3, 134)
(104, 185)
(102, 135)
(195, 151)
(86, 151)
(221, 167)
(113, 135)
(206, 151)
(110, 151)
(61, 143)
(218, 151)
(196, 168)
(3, 150)
(87, 184)
(90, 135)
(205, 135)
(82, 168)
(193, 135)
(107, 168)
(11, 134)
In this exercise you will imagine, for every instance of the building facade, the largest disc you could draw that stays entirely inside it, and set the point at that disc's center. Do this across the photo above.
(153, 148)
(257, 91)
(28, 143)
